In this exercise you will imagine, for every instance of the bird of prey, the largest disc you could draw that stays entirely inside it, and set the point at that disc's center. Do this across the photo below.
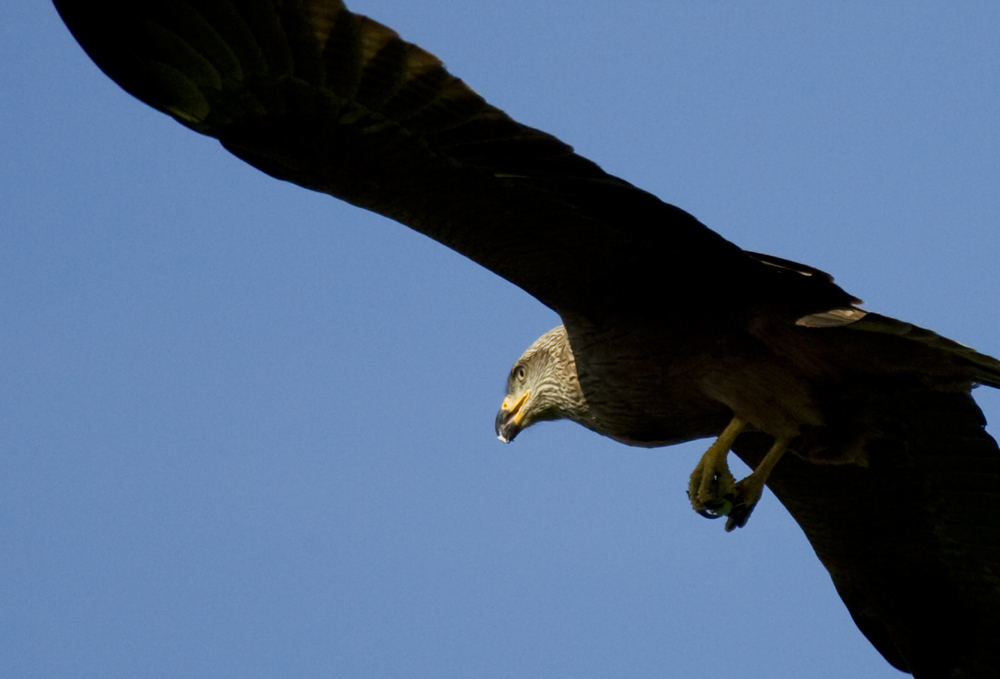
(862, 425)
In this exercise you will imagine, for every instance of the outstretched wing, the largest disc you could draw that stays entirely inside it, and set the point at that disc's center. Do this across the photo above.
(311, 93)
(912, 541)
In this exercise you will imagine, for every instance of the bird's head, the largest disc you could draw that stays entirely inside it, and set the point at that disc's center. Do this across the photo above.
(542, 385)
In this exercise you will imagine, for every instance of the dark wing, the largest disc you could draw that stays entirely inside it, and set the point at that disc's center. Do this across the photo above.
(912, 542)
(313, 94)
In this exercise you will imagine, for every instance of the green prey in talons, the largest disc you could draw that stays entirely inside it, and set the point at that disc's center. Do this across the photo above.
(712, 487)
(714, 491)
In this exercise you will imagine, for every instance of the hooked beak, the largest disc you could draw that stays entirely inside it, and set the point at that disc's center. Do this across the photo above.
(510, 417)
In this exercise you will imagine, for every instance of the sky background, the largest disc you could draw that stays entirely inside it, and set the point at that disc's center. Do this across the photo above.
(247, 430)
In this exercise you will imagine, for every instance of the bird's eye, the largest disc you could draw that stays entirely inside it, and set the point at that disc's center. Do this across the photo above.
(520, 373)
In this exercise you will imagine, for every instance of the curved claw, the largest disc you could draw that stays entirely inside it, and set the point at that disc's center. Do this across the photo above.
(717, 510)
(739, 516)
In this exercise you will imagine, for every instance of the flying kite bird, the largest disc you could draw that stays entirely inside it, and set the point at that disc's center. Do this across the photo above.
(862, 425)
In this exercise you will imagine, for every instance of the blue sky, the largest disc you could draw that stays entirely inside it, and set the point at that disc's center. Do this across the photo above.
(247, 429)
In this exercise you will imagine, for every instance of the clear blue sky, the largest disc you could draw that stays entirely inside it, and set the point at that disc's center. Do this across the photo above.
(247, 431)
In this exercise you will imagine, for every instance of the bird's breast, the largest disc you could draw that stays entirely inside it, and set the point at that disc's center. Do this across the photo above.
(643, 389)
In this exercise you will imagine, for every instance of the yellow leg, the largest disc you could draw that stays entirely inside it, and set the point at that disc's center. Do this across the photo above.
(712, 487)
(749, 489)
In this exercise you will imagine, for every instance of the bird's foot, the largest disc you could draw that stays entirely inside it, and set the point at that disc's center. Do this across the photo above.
(712, 488)
(712, 491)
(749, 490)
(746, 497)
